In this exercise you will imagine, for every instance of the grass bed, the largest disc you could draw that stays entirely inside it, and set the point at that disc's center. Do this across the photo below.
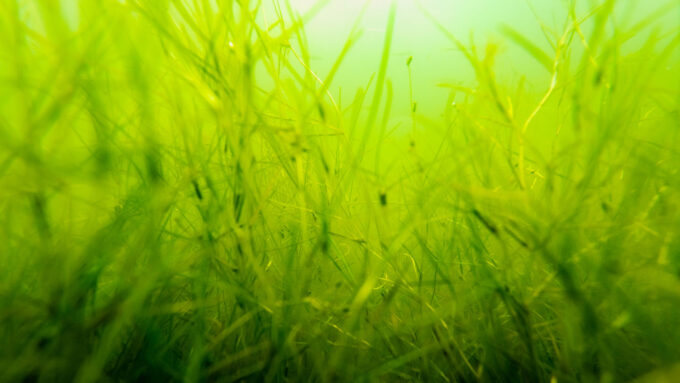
(182, 198)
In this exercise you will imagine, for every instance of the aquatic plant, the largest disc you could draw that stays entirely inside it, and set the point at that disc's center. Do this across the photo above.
(183, 197)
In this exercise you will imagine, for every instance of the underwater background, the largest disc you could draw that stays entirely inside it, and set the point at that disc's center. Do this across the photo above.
(331, 191)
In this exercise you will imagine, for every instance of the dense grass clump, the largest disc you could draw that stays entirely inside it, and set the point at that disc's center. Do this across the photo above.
(182, 197)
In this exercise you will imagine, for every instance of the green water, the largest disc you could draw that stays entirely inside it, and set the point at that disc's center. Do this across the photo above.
(339, 191)
(436, 61)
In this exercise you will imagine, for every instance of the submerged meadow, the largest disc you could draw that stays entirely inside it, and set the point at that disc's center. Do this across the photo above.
(185, 197)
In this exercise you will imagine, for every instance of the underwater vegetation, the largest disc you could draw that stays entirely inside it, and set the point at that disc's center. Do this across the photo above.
(184, 197)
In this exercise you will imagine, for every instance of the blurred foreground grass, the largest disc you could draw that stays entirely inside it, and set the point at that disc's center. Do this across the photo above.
(182, 198)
